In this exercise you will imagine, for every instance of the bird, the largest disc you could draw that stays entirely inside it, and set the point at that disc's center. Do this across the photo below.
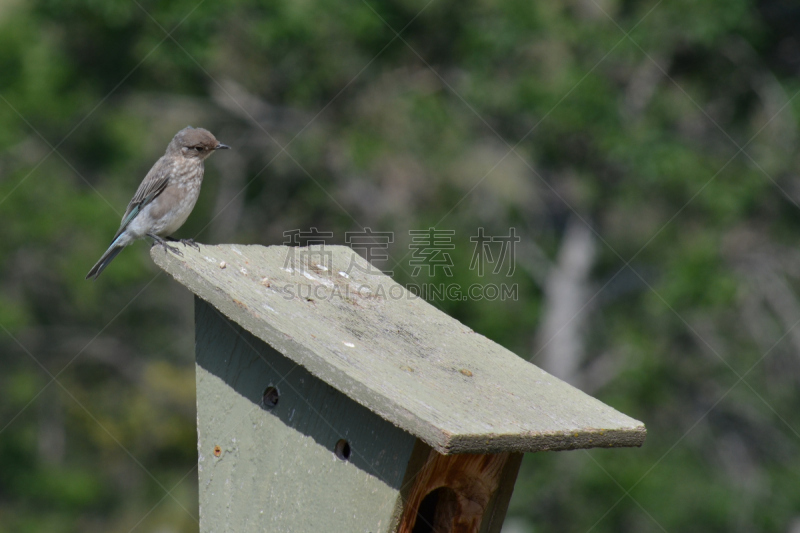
(166, 196)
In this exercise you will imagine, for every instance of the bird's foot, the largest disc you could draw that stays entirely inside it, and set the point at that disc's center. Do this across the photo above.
(161, 242)
(187, 242)
(190, 242)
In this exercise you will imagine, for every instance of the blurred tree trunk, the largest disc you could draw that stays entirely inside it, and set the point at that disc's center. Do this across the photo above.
(560, 338)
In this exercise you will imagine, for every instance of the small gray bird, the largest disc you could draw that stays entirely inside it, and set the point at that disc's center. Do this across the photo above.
(166, 196)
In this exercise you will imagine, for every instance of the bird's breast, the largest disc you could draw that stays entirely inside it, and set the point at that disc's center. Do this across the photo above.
(173, 206)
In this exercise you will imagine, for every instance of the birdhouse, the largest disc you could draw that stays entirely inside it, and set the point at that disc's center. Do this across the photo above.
(329, 398)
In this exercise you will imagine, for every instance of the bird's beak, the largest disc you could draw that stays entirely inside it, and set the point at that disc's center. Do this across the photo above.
(221, 146)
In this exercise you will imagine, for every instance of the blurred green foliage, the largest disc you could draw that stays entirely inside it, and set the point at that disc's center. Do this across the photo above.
(669, 128)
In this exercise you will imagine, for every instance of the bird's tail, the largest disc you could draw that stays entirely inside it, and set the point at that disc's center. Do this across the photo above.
(107, 257)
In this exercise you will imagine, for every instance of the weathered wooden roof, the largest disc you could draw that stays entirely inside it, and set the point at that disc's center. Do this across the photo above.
(366, 336)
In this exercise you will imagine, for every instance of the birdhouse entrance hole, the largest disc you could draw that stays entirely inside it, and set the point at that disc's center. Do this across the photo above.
(462, 493)
(437, 511)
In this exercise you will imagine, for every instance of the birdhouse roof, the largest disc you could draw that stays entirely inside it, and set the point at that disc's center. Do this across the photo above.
(365, 335)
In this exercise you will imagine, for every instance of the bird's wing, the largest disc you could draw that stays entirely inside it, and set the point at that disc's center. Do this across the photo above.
(152, 185)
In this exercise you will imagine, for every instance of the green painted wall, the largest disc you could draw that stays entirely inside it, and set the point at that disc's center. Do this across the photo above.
(276, 469)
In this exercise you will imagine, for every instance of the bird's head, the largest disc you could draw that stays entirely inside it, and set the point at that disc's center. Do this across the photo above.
(194, 143)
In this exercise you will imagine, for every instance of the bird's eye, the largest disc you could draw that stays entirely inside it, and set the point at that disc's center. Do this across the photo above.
(198, 148)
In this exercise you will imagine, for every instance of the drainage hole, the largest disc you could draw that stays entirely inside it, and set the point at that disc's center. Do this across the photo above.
(270, 397)
(342, 450)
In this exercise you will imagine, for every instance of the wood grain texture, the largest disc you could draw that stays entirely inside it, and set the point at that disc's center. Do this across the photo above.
(465, 493)
(395, 354)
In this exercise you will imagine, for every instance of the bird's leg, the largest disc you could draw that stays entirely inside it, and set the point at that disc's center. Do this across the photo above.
(161, 242)
(187, 242)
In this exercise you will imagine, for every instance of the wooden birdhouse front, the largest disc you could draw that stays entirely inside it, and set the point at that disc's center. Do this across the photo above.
(331, 399)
